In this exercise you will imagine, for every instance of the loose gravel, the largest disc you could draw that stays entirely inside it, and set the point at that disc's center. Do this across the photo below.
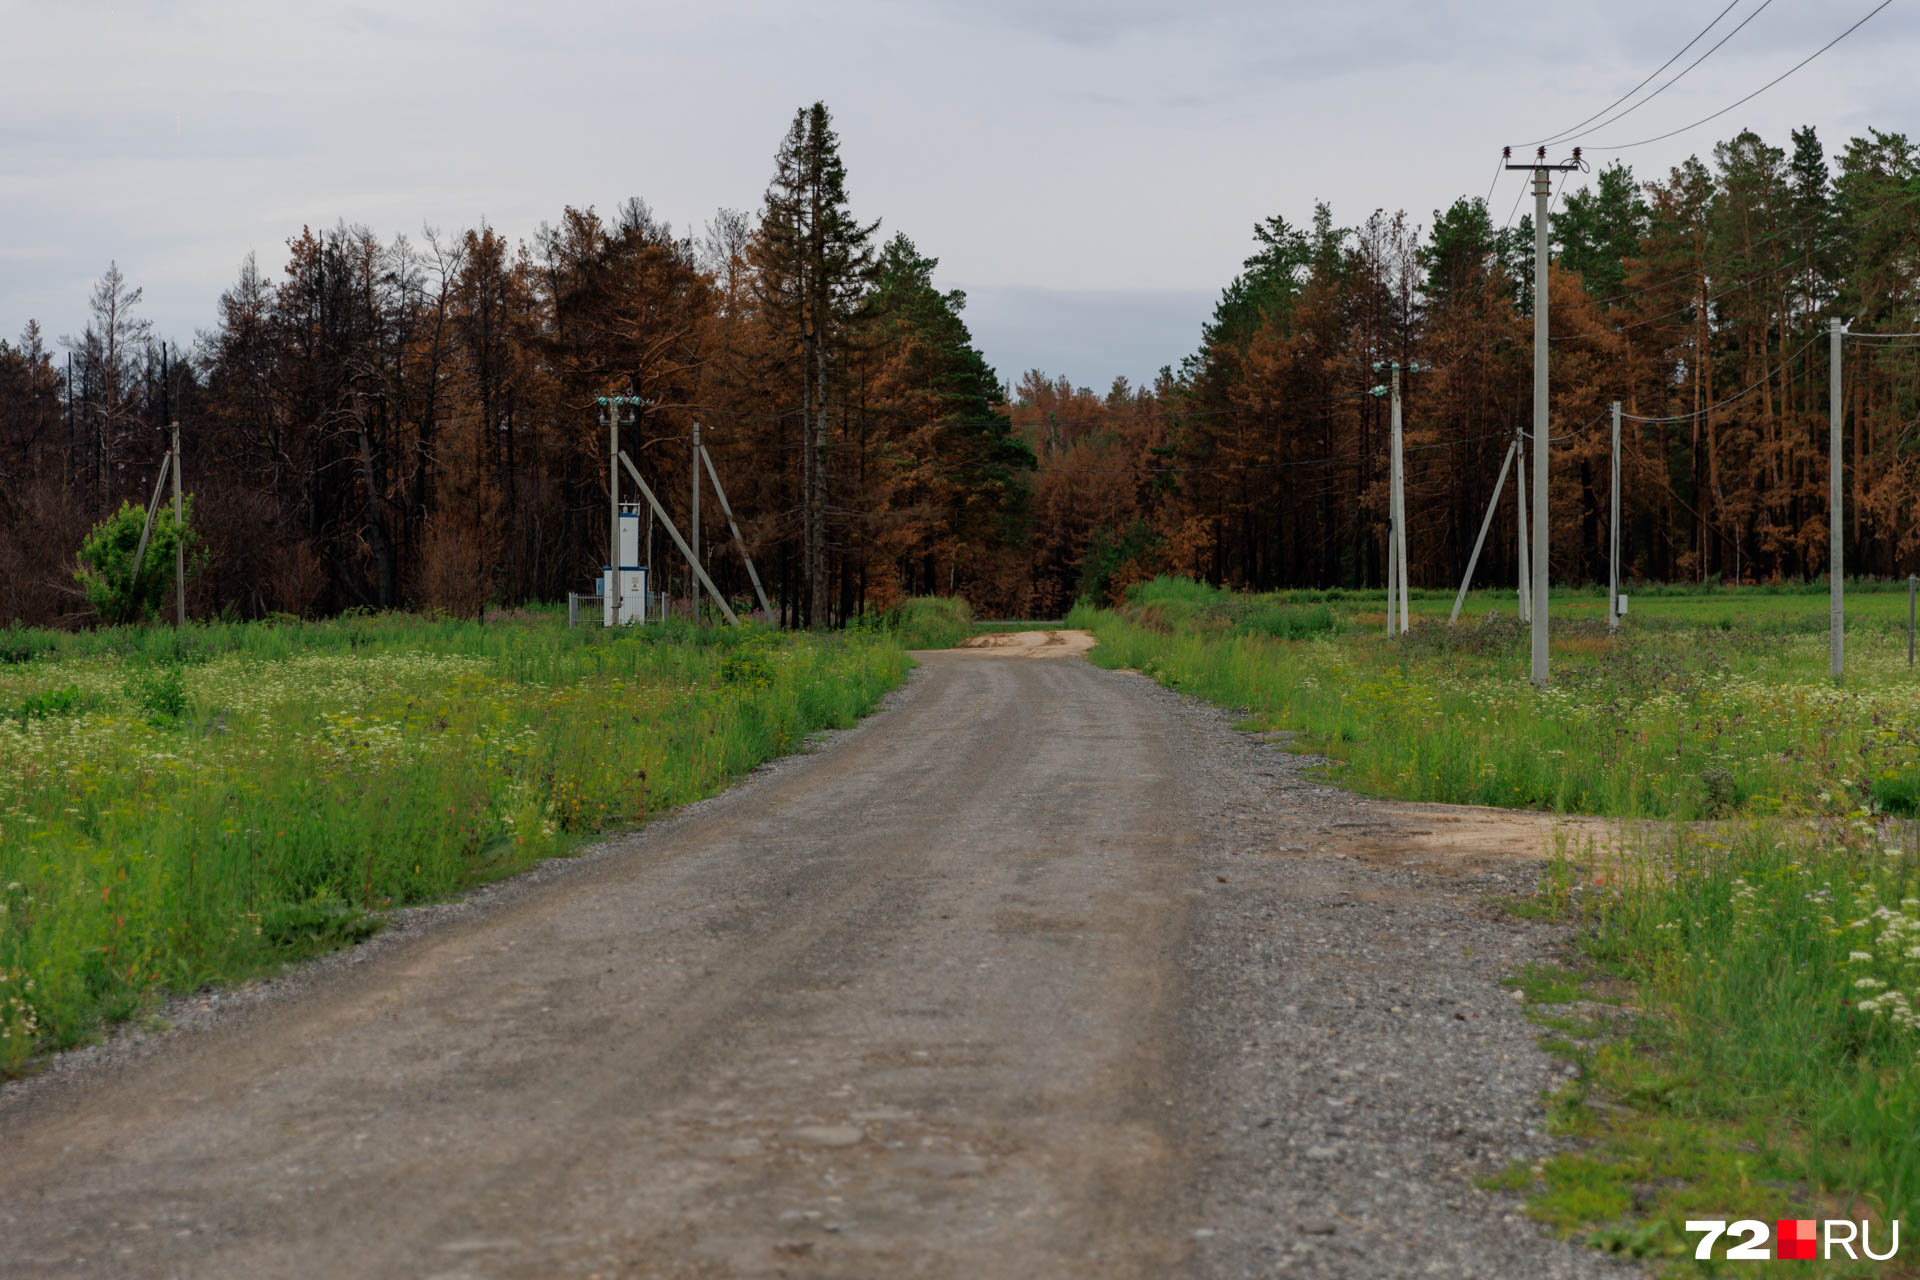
(1354, 1060)
(1046, 971)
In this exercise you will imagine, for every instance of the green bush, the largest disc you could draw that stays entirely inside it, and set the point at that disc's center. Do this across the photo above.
(106, 562)
(930, 622)
(161, 692)
(1898, 792)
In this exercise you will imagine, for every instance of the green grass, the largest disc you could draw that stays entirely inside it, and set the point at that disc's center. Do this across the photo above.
(1741, 1002)
(1761, 1059)
(1669, 719)
(183, 809)
(929, 622)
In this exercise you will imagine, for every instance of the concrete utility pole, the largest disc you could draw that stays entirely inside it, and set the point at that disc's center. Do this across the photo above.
(1400, 500)
(1542, 198)
(1520, 523)
(693, 562)
(611, 416)
(1393, 557)
(1836, 556)
(694, 521)
(615, 412)
(1542, 193)
(739, 543)
(179, 540)
(1613, 534)
(1493, 505)
(1396, 505)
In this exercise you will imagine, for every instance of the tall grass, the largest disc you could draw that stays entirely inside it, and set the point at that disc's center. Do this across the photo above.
(1766, 1061)
(201, 806)
(1771, 1062)
(1664, 720)
(930, 622)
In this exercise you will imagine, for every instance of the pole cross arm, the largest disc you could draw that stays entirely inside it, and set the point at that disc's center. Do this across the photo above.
(678, 541)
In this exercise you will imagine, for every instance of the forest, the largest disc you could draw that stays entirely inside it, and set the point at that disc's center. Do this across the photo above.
(378, 424)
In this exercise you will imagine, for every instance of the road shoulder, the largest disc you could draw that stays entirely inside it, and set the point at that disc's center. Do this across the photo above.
(1353, 1059)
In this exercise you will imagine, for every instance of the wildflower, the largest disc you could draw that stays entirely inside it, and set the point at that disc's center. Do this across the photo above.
(1859, 957)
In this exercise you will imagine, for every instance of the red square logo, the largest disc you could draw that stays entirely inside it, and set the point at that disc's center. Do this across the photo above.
(1798, 1238)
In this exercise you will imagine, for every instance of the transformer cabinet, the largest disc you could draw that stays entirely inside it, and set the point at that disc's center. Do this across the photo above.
(623, 589)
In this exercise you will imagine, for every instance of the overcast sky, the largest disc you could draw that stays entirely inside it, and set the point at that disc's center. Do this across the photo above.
(1088, 170)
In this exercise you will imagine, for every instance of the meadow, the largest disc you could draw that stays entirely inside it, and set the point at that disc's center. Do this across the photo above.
(178, 809)
(1742, 1000)
(1702, 706)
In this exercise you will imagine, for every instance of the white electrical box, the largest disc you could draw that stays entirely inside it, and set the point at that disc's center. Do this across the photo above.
(624, 592)
(1623, 603)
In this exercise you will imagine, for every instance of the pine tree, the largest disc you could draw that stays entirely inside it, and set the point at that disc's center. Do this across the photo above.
(816, 266)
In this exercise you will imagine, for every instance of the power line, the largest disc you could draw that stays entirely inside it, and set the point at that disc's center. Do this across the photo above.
(1518, 196)
(1499, 168)
(1623, 146)
(1114, 419)
(1725, 258)
(1555, 137)
(1676, 80)
(1735, 287)
(1737, 396)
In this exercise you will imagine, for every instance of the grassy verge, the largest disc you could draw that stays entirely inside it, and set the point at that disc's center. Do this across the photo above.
(1669, 719)
(1740, 1013)
(178, 810)
(1741, 1001)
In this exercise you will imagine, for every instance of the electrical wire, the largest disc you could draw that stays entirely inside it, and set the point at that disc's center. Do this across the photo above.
(1116, 419)
(1676, 80)
(1499, 167)
(1555, 137)
(1557, 191)
(1737, 396)
(1518, 196)
(1725, 258)
(1674, 133)
(1735, 287)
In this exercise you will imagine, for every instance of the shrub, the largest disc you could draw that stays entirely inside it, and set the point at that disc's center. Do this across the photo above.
(1898, 792)
(106, 562)
(750, 664)
(161, 692)
(54, 702)
(931, 622)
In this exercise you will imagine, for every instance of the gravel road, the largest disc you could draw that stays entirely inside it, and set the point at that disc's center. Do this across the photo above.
(1042, 971)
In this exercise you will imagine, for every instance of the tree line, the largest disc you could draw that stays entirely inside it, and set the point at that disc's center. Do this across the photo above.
(1700, 300)
(392, 423)
(400, 423)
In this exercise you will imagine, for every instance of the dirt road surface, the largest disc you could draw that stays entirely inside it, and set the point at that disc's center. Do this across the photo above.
(1041, 971)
